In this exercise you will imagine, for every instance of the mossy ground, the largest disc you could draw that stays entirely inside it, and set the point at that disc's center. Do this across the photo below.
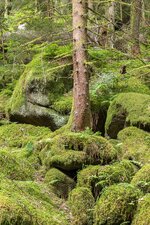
(20, 135)
(117, 205)
(134, 144)
(28, 203)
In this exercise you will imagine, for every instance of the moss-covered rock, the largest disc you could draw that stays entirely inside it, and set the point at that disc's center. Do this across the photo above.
(81, 203)
(41, 84)
(117, 205)
(63, 105)
(99, 177)
(135, 144)
(142, 178)
(16, 167)
(19, 135)
(71, 151)
(142, 216)
(29, 203)
(61, 183)
(128, 109)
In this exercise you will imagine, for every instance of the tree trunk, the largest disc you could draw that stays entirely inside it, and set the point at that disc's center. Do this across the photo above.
(136, 14)
(111, 23)
(81, 103)
(7, 8)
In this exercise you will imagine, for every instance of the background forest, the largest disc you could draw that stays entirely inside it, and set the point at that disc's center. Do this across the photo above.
(49, 174)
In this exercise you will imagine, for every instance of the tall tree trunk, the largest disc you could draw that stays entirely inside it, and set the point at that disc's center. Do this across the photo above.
(111, 29)
(81, 103)
(136, 14)
(7, 7)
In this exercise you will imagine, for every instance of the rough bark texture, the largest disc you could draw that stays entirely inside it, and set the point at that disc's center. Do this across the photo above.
(81, 105)
(136, 14)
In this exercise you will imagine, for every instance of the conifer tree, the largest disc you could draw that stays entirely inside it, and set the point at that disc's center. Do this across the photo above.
(81, 103)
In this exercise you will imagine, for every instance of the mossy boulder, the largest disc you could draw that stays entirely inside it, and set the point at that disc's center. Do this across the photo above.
(99, 177)
(128, 109)
(142, 216)
(29, 203)
(41, 84)
(142, 178)
(81, 203)
(134, 144)
(117, 205)
(15, 166)
(19, 135)
(70, 151)
(61, 182)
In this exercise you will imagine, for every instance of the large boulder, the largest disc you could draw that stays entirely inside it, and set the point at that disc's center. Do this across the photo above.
(117, 205)
(99, 177)
(134, 145)
(128, 109)
(70, 151)
(41, 84)
(81, 204)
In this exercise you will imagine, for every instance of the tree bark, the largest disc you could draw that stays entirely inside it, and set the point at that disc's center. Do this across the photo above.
(81, 103)
(7, 8)
(111, 29)
(136, 14)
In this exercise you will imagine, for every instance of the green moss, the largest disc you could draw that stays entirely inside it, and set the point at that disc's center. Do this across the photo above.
(128, 108)
(142, 216)
(63, 105)
(135, 144)
(99, 177)
(105, 87)
(61, 183)
(15, 167)
(72, 150)
(142, 178)
(81, 203)
(19, 135)
(117, 205)
(48, 79)
(4, 97)
(28, 203)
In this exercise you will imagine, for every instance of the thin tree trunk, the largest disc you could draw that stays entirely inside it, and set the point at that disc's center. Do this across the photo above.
(111, 29)
(81, 104)
(136, 14)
